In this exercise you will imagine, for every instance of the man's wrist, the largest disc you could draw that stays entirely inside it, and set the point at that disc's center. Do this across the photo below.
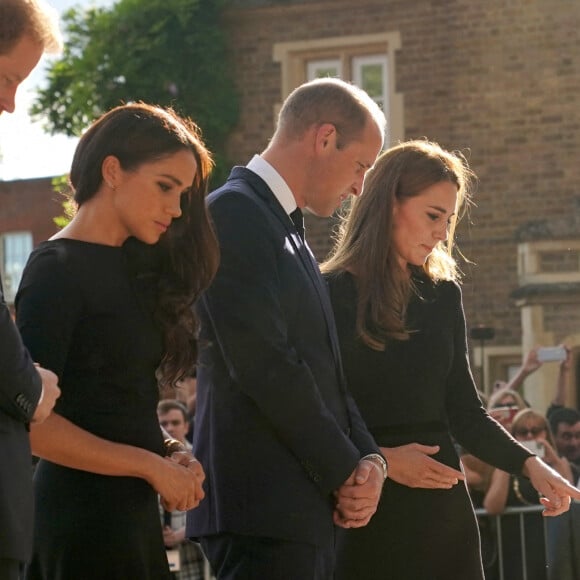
(379, 461)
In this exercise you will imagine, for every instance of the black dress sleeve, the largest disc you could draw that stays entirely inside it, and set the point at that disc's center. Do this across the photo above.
(48, 305)
(469, 422)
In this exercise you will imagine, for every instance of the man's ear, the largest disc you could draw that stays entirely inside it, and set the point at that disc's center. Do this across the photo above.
(111, 171)
(325, 137)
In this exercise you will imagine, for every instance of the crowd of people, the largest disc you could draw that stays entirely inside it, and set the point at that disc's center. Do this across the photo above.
(549, 552)
(313, 385)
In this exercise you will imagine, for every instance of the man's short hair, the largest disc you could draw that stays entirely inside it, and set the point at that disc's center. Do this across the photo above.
(29, 18)
(563, 415)
(166, 405)
(329, 100)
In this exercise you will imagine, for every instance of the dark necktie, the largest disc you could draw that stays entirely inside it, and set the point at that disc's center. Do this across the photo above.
(298, 219)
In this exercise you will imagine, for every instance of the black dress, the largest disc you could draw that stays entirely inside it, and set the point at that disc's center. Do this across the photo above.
(85, 314)
(419, 390)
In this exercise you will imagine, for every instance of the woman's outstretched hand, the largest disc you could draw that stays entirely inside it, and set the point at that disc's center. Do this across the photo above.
(556, 491)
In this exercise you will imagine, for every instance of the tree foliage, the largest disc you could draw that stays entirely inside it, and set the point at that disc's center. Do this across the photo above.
(60, 186)
(166, 52)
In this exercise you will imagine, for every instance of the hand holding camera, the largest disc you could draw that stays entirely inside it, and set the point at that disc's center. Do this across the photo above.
(536, 447)
(551, 353)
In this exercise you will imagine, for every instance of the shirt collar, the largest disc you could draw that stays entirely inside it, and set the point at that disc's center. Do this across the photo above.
(274, 181)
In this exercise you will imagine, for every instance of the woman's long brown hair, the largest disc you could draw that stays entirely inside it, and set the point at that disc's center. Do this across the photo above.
(364, 242)
(187, 256)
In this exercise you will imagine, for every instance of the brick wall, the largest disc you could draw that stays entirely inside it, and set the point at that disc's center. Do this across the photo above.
(29, 205)
(562, 319)
(497, 80)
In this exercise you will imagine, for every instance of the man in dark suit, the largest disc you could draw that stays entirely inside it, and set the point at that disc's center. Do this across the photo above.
(26, 393)
(285, 450)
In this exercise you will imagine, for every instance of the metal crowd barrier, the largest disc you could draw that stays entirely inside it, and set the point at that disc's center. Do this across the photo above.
(514, 512)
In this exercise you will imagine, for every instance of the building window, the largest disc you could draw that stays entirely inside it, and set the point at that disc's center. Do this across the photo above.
(15, 247)
(366, 60)
(316, 69)
(370, 74)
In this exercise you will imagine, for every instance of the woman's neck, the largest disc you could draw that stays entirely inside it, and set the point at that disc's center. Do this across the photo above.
(92, 223)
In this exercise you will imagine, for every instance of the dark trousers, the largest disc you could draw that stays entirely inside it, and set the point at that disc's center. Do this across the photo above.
(10, 569)
(235, 557)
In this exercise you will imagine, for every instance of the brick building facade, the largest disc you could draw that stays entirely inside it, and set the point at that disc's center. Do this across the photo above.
(497, 80)
(27, 209)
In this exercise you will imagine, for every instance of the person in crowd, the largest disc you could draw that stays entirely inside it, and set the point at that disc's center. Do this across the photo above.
(285, 450)
(498, 385)
(185, 555)
(28, 28)
(399, 315)
(563, 553)
(560, 395)
(530, 428)
(186, 393)
(106, 304)
(563, 532)
(565, 425)
(564, 421)
(532, 363)
(503, 406)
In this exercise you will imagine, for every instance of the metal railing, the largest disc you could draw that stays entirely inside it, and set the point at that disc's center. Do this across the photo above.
(520, 513)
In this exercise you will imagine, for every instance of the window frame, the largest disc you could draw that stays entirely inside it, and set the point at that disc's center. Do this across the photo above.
(294, 56)
(10, 285)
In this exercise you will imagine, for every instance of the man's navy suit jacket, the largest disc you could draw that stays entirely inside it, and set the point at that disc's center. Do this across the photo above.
(275, 429)
(20, 389)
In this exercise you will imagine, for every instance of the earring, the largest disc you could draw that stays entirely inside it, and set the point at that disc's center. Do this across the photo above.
(111, 186)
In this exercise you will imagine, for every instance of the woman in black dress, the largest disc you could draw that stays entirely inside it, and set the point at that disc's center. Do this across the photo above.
(399, 315)
(106, 304)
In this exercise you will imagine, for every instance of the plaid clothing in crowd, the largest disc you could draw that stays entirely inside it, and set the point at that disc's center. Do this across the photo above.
(192, 559)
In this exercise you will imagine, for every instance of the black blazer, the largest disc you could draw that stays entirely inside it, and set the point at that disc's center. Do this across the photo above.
(275, 428)
(20, 389)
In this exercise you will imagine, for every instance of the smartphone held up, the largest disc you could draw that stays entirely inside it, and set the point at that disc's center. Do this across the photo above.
(534, 446)
(551, 354)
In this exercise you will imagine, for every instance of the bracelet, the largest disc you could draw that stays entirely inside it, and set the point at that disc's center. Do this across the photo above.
(172, 446)
(378, 460)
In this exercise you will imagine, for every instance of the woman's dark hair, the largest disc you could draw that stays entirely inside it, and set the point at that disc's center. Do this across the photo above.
(188, 253)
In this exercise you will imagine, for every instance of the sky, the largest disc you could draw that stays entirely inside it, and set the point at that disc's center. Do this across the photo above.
(26, 151)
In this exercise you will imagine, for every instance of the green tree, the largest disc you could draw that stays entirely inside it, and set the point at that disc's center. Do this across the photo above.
(167, 52)
(61, 187)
